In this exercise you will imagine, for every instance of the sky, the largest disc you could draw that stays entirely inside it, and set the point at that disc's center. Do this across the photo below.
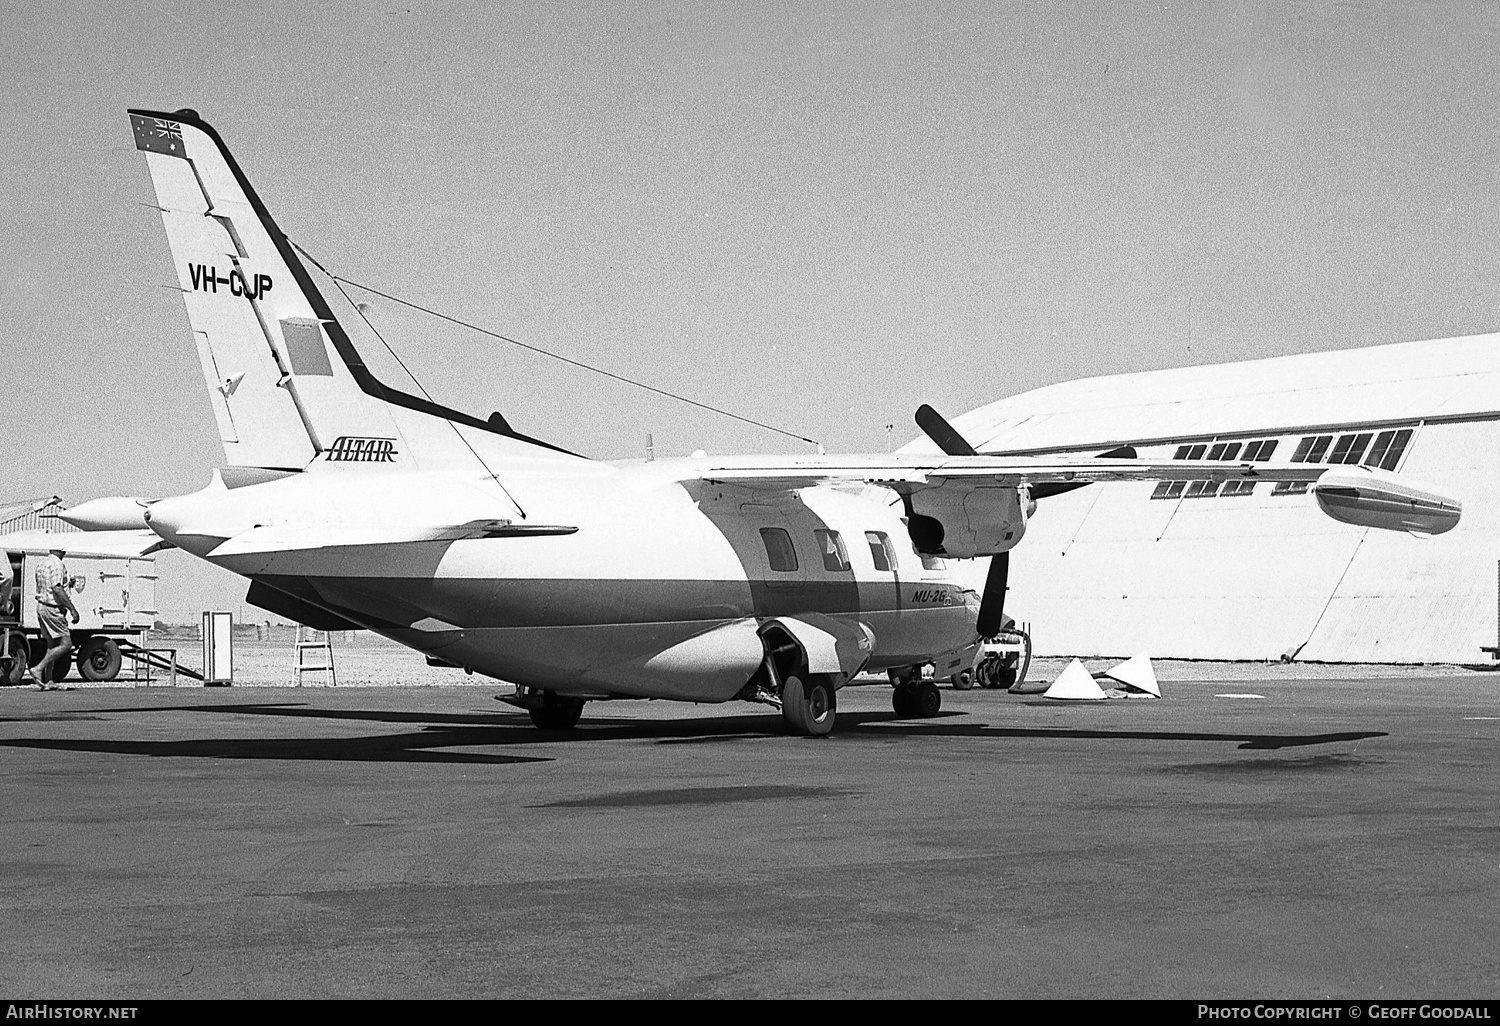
(813, 215)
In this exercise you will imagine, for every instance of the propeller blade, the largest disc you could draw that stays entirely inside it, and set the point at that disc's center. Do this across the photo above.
(941, 432)
(992, 605)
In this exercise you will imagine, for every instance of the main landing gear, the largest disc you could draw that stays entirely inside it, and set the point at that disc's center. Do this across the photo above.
(556, 712)
(913, 697)
(808, 704)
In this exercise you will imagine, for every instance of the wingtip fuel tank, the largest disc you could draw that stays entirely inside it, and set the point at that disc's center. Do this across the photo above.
(1374, 498)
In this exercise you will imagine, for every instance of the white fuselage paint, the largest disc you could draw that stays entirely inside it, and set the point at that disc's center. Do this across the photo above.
(628, 604)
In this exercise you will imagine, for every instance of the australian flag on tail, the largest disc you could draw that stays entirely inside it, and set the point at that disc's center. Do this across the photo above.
(158, 135)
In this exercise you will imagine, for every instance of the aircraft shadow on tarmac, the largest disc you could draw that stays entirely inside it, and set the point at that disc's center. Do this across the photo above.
(488, 730)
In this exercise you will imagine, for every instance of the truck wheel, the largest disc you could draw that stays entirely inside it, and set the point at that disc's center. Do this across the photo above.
(13, 662)
(99, 659)
(989, 672)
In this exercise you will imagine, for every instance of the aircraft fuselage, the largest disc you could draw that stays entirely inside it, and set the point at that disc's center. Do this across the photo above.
(657, 593)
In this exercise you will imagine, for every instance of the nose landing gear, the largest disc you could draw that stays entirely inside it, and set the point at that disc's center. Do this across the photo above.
(913, 697)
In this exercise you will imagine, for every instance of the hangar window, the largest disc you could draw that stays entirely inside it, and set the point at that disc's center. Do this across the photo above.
(1201, 490)
(1224, 451)
(1349, 448)
(1189, 452)
(882, 552)
(779, 549)
(1387, 450)
(1260, 451)
(1168, 489)
(1290, 488)
(835, 558)
(932, 562)
(1312, 449)
(1240, 487)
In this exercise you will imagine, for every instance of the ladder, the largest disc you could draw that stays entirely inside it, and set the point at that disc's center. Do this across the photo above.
(313, 654)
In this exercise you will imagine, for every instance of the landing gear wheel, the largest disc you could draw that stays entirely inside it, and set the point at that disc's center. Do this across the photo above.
(904, 701)
(556, 712)
(99, 659)
(963, 680)
(13, 662)
(808, 706)
(928, 699)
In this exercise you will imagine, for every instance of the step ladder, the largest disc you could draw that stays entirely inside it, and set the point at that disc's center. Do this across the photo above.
(314, 654)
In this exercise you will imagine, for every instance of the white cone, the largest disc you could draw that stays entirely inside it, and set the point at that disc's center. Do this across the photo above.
(1136, 672)
(1075, 684)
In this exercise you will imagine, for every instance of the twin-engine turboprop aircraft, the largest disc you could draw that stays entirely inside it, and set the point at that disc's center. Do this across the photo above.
(349, 504)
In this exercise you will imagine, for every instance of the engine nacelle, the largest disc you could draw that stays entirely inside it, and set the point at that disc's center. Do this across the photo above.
(975, 520)
(1374, 498)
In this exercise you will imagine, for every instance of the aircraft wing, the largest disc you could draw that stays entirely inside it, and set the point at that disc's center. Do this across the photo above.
(907, 474)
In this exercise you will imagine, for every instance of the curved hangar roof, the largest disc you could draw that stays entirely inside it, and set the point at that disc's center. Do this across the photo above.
(1438, 380)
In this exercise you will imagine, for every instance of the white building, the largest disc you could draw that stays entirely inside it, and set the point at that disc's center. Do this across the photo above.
(1187, 571)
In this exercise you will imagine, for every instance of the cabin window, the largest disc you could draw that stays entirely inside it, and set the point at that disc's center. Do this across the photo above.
(779, 549)
(835, 558)
(882, 552)
(932, 562)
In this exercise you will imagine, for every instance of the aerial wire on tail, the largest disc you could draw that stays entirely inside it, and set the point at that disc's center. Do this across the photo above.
(340, 281)
(370, 324)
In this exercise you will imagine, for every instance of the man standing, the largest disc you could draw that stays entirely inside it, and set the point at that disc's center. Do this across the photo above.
(7, 586)
(51, 600)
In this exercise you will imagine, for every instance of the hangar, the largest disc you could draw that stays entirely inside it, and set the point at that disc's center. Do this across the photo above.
(1255, 570)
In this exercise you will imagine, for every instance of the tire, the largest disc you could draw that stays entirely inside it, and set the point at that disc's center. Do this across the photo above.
(99, 659)
(14, 672)
(963, 680)
(928, 699)
(556, 712)
(904, 701)
(988, 672)
(809, 707)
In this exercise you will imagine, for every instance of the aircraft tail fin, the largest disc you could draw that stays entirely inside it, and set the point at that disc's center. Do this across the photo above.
(287, 385)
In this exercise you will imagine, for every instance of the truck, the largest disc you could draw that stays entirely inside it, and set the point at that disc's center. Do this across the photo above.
(998, 662)
(114, 592)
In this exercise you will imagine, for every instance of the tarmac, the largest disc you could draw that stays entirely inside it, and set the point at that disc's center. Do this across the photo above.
(1332, 838)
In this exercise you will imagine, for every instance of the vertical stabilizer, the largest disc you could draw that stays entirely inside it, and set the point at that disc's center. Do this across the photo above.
(287, 385)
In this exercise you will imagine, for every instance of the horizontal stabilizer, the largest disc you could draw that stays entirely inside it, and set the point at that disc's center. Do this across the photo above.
(89, 543)
(262, 540)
